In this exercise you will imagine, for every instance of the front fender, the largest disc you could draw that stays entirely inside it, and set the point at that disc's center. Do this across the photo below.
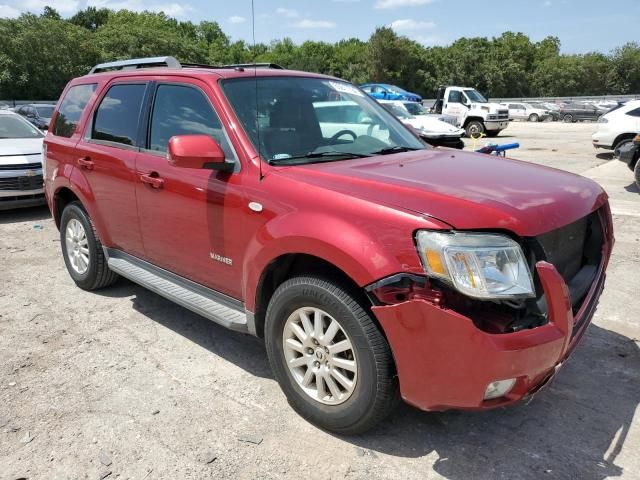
(347, 246)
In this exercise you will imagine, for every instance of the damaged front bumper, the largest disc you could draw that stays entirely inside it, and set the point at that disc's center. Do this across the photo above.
(444, 361)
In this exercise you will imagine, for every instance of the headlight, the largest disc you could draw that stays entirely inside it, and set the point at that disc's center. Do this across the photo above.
(486, 266)
(602, 119)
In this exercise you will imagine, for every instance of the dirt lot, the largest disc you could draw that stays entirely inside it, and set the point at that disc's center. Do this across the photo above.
(126, 384)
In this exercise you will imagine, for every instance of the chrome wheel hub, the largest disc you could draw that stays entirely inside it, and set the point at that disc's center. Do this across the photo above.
(77, 246)
(320, 355)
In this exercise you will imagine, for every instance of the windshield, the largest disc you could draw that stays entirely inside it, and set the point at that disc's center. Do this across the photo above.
(398, 110)
(475, 96)
(313, 119)
(415, 108)
(45, 111)
(14, 127)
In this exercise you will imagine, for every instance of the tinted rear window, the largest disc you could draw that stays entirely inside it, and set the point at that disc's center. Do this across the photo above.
(116, 119)
(71, 109)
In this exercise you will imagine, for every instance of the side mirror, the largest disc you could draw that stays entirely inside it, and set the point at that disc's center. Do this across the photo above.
(197, 151)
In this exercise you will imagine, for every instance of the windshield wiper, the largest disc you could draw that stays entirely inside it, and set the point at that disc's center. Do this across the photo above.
(324, 156)
(394, 149)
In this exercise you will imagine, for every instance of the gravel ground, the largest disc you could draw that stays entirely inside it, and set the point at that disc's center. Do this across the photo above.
(124, 384)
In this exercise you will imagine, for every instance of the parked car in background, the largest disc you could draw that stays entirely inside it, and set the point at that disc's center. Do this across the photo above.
(37, 113)
(20, 162)
(577, 112)
(553, 109)
(383, 91)
(525, 111)
(433, 131)
(473, 112)
(618, 127)
(629, 154)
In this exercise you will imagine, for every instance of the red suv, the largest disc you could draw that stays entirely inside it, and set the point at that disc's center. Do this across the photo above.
(291, 206)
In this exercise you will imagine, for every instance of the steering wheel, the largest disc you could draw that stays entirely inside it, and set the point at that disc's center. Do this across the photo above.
(334, 139)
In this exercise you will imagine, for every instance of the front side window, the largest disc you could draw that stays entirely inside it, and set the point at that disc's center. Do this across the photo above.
(116, 119)
(184, 110)
(71, 109)
(301, 119)
(12, 126)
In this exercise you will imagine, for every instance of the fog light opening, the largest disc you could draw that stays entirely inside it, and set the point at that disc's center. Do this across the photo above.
(499, 388)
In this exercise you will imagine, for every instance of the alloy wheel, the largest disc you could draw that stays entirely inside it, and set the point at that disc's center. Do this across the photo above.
(320, 355)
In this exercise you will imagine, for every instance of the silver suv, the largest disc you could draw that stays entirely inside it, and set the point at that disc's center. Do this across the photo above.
(20, 162)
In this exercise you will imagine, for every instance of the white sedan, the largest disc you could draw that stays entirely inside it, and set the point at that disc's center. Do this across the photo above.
(433, 131)
(20, 162)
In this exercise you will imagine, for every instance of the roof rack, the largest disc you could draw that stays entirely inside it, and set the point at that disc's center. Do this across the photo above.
(171, 62)
(135, 63)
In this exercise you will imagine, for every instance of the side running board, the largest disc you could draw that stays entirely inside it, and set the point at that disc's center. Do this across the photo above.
(211, 304)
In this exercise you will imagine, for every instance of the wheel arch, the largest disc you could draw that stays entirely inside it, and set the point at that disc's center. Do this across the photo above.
(472, 119)
(621, 137)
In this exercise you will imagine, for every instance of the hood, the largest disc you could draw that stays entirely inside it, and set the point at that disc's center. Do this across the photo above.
(493, 107)
(469, 191)
(432, 126)
(20, 146)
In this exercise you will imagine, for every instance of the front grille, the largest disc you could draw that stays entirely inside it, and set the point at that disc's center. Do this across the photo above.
(503, 114)
(576, 252)
(23, 166)
(21, 183)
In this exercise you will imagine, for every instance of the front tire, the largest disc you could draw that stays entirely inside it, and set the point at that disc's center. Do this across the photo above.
(534, 117)
(82, 250)
(329, 356)
(568, 118)
(475, 129)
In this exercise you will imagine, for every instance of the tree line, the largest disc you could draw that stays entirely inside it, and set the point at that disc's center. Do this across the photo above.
(39, 54)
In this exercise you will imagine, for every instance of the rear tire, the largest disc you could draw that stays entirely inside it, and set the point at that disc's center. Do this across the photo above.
(619, 145)
(82, 250)
(300, 348)
(568, 118)
(475, 129)
(534, 117)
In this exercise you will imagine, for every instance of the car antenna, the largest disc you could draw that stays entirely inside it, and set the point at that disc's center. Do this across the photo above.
(255, 77)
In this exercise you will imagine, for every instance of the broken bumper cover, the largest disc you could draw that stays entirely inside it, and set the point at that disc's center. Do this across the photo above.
(444, 361)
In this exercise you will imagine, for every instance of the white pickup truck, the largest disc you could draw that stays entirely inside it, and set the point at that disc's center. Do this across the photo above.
(474, 113)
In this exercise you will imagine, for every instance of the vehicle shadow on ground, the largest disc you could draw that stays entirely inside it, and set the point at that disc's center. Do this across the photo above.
(605, 155)
(573, 429)
(632, 187)
(31, 214)
(245, 351)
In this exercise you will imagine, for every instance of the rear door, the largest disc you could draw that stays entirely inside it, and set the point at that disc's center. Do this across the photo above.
(106, 157)
(192, 224)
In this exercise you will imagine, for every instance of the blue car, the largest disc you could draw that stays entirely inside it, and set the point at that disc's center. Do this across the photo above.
(383, 91)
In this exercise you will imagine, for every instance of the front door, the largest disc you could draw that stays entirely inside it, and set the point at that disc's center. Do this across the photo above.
(192, 223)
(453, 105)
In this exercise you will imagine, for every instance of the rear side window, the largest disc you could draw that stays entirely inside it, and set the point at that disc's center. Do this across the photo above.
(634, 113)
(116, 119)
(71, 109)
(183, 110)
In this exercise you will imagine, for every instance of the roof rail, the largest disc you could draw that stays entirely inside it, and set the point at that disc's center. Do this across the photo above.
(274, 66)
(169, 62)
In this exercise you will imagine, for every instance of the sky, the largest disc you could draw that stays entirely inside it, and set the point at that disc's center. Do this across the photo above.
(581, 25)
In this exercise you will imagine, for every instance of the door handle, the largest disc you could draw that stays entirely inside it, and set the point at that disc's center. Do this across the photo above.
(152, 179)
(86, 163)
